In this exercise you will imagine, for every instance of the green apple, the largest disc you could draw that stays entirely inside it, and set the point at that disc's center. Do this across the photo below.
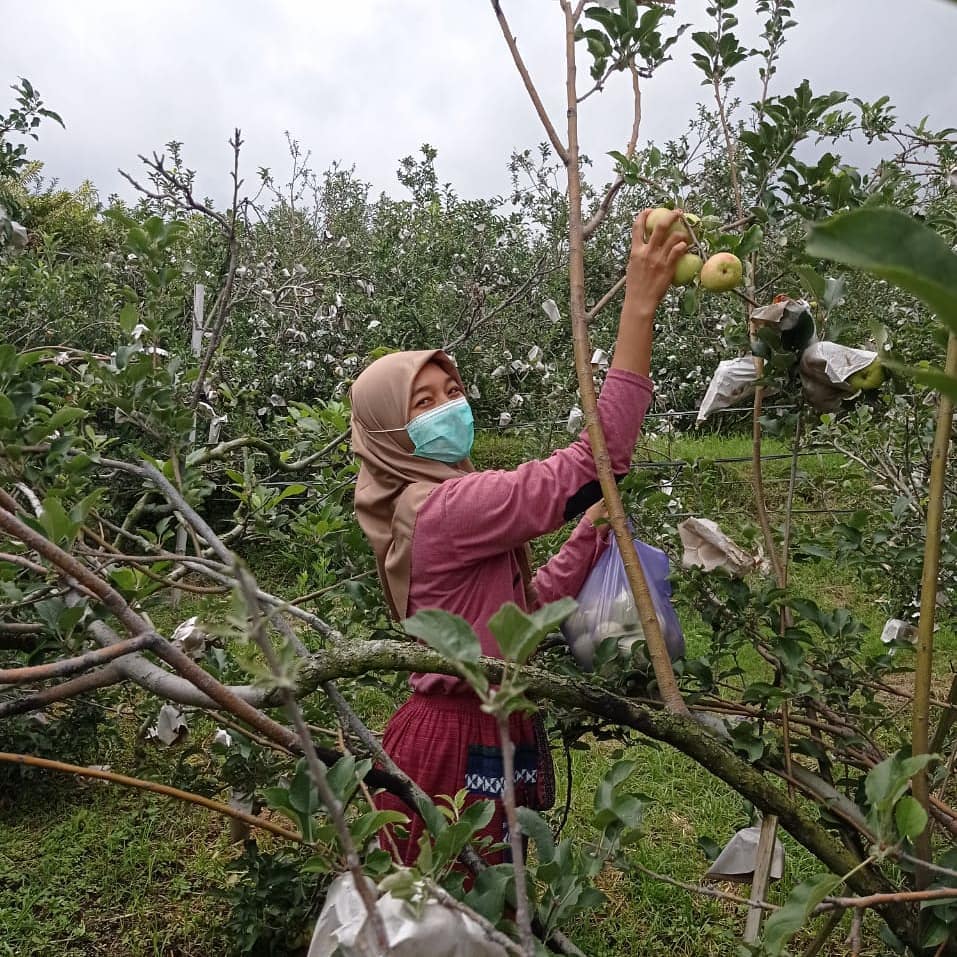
(721, 272)
(662, 214)
(686, 269)
(868, 378)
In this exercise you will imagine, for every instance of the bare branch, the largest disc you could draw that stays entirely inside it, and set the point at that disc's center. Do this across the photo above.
(529, 85)
(224, 299)
(607, 298)
(75, 665)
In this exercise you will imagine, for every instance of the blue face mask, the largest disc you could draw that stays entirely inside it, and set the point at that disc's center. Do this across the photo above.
(444, 434)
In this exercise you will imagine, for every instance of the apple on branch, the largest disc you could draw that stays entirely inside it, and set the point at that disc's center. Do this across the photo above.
(722, 272)
(662, 214)
(686, 269)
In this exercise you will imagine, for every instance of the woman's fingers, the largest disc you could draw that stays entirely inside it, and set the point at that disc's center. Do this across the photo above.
(677, 249)
(638, 229)
(661, 232)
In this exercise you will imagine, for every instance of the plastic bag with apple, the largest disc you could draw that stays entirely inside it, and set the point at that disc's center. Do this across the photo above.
(606, 607)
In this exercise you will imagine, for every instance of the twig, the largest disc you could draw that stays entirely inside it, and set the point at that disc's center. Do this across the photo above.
(657, 651)
(599, 215)
(930, 577)
(495, 935)
(522, 915)
(223, 300)
(103, 678)
(563, 153)
(317, 769)
(703, 889)
(24, 562)
(607, 298)
(75, 665)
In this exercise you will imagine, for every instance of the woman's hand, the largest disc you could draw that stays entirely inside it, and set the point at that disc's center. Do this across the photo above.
(652, 261)
(651, 267)
(597, 513)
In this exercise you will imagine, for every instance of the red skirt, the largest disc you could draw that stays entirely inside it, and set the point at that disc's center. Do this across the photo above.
(446, 743)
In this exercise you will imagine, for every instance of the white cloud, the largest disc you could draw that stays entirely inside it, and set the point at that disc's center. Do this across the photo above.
(368, 82)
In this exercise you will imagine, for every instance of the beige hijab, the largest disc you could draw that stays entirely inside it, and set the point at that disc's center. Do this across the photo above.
(393, 482)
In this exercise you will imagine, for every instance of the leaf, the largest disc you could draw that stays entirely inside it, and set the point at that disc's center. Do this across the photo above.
(750, 241)
(783, 924)
(55, 521)
(371, 823)
(934, 378)
(128, 318)
(535, 827)
(303, 796)
(910, 817)
(896, 247)
(7, 410)
(451, 636)
(813, 281)
(519, 634)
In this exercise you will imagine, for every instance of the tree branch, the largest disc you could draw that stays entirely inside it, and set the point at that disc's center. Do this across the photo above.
(529, 85)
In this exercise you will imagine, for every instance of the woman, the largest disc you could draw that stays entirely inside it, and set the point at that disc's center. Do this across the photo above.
(446, 536)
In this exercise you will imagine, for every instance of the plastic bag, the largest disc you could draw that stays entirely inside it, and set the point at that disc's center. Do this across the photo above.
(825, 368)
(606, 606)
(426, 929)
(733, 380)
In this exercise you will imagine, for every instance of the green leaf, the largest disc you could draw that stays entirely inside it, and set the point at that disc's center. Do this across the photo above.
(814, 281)
(8, 359)
(451, 636)
(519, 634)
(303, 796)
(910, 817)
(934, 378)
(535, 827)
(896, 247)
(288, 491)
(371, 823)
(55, 521)
(783, 924)
(128, 318)
(750, 241)
(7, 410)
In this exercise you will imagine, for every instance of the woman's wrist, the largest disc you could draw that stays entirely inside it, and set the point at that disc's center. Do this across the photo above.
(638, 309)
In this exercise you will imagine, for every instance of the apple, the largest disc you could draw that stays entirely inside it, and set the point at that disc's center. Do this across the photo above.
(721, 272)
(661, 214)
(868, 378)
(686, 269)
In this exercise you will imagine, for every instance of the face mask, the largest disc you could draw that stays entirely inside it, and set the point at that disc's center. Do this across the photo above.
(444, 434)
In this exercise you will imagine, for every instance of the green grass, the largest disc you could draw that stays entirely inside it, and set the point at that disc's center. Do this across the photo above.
(94, 869)
(646, 917)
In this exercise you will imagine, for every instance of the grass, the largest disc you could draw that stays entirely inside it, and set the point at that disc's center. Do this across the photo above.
(102, 870)
(97, 870)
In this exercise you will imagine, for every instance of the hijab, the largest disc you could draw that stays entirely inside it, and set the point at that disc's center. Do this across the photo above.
(393, 482)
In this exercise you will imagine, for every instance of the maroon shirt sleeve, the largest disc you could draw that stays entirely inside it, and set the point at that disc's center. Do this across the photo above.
(563, 575)
(487, 513)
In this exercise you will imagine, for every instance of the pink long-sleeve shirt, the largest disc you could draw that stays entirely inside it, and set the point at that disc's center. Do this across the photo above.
(467, 530)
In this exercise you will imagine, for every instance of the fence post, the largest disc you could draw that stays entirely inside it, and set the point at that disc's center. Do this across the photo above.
(196, 345)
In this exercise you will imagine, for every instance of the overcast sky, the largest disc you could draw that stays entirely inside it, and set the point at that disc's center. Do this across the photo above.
(367, 82)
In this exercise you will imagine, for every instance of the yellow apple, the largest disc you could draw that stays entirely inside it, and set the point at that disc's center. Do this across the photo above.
(686, 269)
(662, 214)
(721, 272)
